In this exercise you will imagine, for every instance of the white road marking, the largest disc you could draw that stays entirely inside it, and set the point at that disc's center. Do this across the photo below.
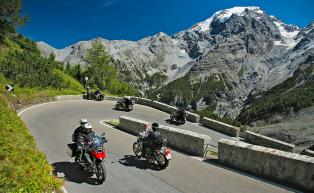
(63, 189)
(198, 158)
(21, 112)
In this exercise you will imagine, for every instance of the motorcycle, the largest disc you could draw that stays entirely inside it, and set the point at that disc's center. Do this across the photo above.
(121, 106)
(97, 155)
(179, 117)
(160, 156)
(96, 95)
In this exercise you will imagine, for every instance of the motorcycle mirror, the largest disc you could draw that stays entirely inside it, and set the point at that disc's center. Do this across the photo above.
(104, 140)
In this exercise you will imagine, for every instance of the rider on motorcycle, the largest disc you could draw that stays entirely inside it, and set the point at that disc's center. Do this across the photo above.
(153, 138)
(83, 142)
(180, 113)
(127, 101)
(80, 129)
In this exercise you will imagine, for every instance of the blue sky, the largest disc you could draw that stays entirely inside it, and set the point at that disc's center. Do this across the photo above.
(64, 22)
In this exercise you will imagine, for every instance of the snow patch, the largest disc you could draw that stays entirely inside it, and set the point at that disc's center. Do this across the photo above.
(223, 15)
(226, 14)
(288, 37)
(203, 26)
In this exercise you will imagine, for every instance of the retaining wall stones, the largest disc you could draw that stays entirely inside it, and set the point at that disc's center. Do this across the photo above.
(220, 127)
(258, 139)
(177, 138)
(291, 168)
(309, 152)
(131, 125)
(185, 140)
(167, 108)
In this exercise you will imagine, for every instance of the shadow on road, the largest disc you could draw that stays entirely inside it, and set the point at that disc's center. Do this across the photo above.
(133, 161)
(71, 172)
(176, 123)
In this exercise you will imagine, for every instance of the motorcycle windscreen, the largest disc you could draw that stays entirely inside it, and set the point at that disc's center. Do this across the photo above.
(99, 150)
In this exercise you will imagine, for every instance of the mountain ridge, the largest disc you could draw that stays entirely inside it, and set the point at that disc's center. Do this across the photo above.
(246, 49)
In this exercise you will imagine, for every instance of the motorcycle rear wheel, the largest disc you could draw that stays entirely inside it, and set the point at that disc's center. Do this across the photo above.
(162, 161)
(137, 150)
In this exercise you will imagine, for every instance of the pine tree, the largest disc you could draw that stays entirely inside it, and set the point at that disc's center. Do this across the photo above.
(10, 17)
(100, 66)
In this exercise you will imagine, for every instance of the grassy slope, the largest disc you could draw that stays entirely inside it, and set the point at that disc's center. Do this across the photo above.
(23, 168)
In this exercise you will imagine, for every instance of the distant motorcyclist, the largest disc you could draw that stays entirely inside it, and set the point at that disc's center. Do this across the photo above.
(179, 116)
(153, 137)
(127, 101)
(80, 129)
(181, 113)
(83, 142)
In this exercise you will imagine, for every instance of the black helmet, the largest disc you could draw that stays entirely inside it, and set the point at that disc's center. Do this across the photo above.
(155, 126)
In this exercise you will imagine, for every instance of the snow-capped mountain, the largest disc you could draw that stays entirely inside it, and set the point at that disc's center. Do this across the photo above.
(242, 48)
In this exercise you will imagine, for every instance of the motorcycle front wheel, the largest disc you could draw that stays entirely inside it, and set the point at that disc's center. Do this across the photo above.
(100, 171)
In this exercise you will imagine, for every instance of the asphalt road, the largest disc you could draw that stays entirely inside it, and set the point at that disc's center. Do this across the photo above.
(52, 125)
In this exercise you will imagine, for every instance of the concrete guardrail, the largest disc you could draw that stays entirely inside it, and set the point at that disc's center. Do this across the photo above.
(131, 125)
(167, 108)
(309, 152)
(220, 127)
(281, 166)
(262, 140)
(183, 140)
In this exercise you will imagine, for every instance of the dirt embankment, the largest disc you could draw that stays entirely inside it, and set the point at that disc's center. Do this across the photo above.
(297, 129)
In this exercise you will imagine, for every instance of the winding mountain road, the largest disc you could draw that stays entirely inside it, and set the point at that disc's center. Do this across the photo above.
(52, 125)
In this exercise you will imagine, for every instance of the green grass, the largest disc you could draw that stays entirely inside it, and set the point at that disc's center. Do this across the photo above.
(26, 96)
(114, 122)
(211, 154)
(70, 82)
(23, 168)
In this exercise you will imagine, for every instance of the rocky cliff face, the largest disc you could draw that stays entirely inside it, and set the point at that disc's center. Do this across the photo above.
(249, 51)
(242, 48)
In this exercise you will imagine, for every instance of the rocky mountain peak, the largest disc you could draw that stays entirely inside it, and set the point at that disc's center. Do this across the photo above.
(222, 16)
(242, 50)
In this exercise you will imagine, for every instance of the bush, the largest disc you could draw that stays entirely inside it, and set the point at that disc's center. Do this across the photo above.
(26, 68)
(69, 82)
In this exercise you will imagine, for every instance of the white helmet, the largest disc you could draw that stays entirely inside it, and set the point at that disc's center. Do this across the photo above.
(127, 97)
(83, 122)
(88, 127)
